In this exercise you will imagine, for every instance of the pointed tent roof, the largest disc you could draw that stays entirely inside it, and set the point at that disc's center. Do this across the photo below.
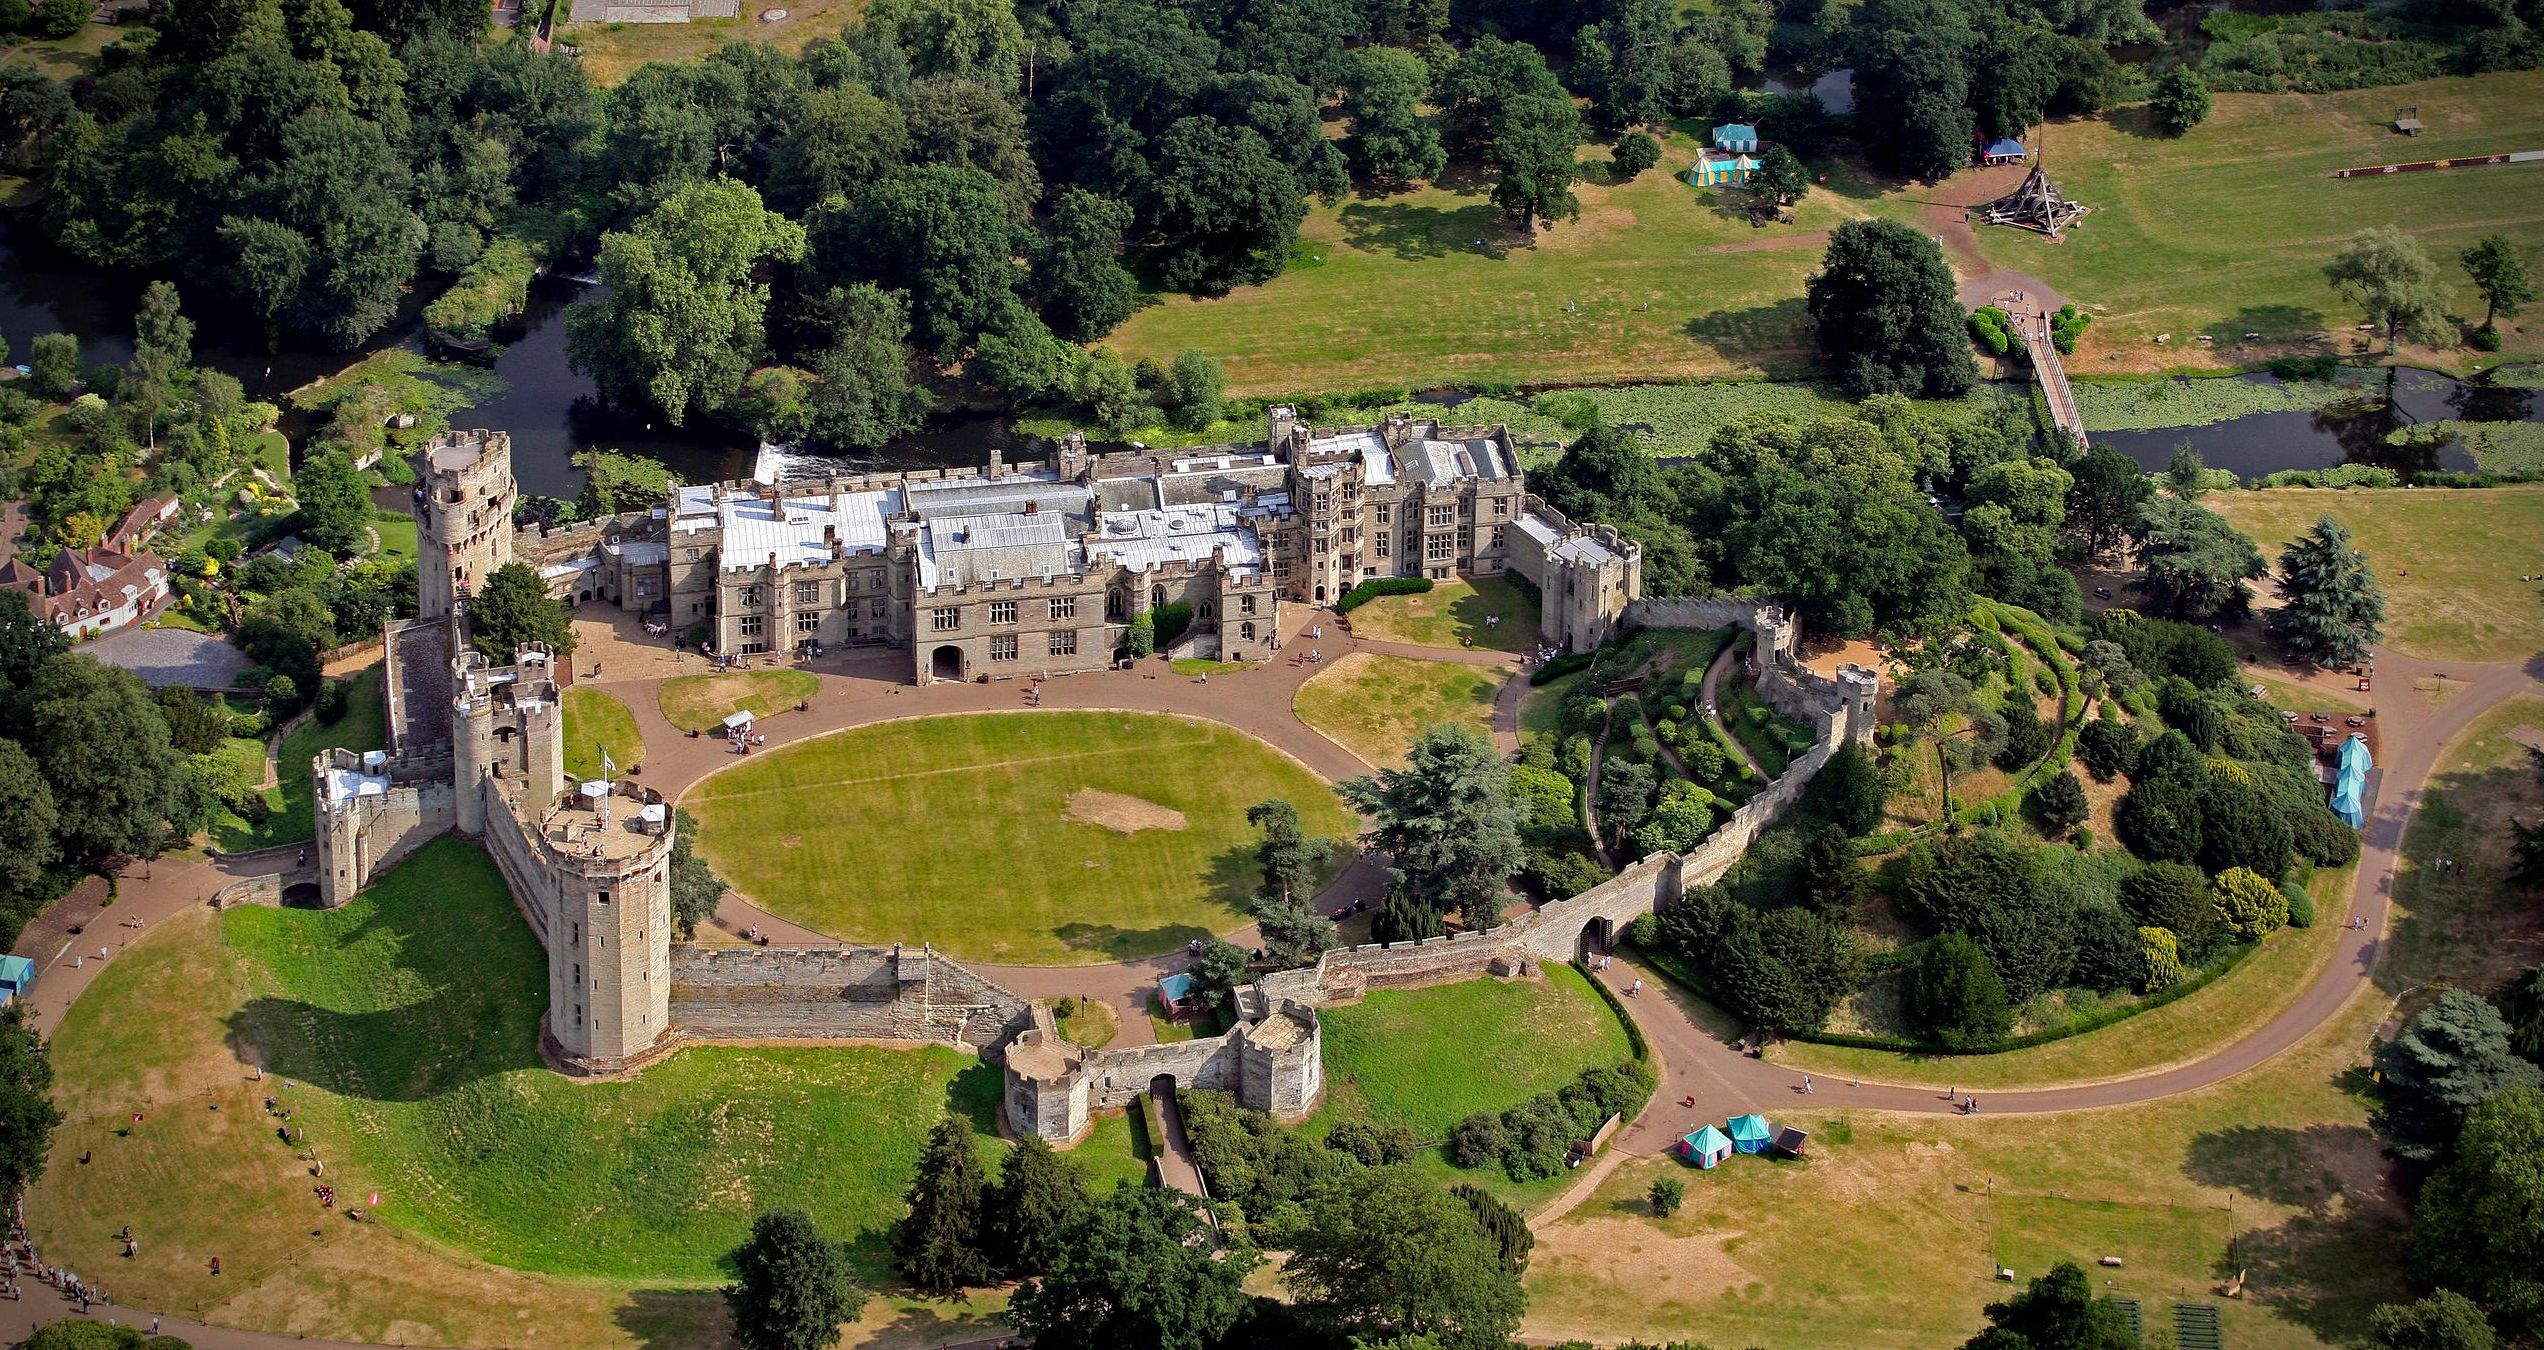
(1734, 131)
(1748, 1129)
(1706, 1140)
(2008, 146)
(2349, 785)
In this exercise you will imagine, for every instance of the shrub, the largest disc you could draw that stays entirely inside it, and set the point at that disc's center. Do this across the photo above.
(1477, 1140)
(1377, 586)
(1987, 328)
(2108, 749)
(1140, 639)
(1373, 1145)
(1666, 1195)
(2487, 338)
(1634, 152)
(1171, 620)
(2249, 907)
(2065, 326)
(2162, 958)
(2300, 905)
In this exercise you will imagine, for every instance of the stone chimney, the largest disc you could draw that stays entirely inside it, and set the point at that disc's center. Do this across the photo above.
(997, 461)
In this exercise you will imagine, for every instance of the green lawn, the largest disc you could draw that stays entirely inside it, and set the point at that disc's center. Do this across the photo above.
(1430, 1058)
(397, 534)
(2225, 231)
(1655, 281)
(1452, 614)
(2464, 550)
(2454, 926)
(1375, 705)
(1041, 837)
(364, 726)
(595, 720)
(699, 702)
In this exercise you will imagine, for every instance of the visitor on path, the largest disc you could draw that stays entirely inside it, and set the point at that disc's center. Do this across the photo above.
(1806, 1085)
(1636, 990)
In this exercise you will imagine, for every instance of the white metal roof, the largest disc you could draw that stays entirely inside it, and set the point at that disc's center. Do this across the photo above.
(1140, 540)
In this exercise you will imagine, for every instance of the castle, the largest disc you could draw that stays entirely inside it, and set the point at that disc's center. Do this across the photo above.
(1047, 567)
(961, 569)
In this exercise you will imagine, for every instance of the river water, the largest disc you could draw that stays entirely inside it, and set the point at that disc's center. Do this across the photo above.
(2350, 432)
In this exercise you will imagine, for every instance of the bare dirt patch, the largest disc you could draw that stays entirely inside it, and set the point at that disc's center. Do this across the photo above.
(1626, 1251)
(1122, 813)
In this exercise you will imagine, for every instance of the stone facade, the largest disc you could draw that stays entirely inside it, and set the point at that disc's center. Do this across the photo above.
(1586, 578)
(463, 516)
(839, 993)
(1273, 1061)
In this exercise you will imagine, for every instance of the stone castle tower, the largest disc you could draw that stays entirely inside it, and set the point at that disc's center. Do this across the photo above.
(590, 863)
(463, 516)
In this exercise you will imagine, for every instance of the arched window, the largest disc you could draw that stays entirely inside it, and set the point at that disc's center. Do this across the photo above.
(1114, 606)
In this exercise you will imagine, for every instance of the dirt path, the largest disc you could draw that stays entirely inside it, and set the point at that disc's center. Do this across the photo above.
(1713, 700)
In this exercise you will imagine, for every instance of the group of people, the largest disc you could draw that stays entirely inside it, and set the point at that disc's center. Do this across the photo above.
(24, 1259)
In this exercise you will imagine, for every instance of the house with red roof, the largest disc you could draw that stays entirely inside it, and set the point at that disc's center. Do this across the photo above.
(88, 591)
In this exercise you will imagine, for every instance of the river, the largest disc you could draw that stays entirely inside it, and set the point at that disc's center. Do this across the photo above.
(2353, 431)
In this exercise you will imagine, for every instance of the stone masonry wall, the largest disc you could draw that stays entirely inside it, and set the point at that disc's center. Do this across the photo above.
(859, 993)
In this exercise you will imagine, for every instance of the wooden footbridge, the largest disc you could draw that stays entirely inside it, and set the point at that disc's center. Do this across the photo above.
(2032, 327)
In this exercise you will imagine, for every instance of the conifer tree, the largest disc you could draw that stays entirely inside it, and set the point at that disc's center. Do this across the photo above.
(938, 1246)
(2335, 610)
(795, 1288)
(1038, 1193)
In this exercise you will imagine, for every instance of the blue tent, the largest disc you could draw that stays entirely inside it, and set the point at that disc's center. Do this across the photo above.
(2003, 152)
(2349, 782)
(1737, 137)
(1176, 993)
(1705, 1148)
(17, 978)
(1749, 1134)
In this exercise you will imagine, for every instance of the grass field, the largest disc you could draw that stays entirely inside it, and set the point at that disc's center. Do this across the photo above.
(2452, 926)
(1058, 838)
(2226, 230)
(1375, 705)
(1655, 281)
(1452, 614)
(2189, 1028)
(699, 702)
(613, 51)
(1430, 1058)
(364, 726)
(401, 1033)
(2463, 551)
(595, 720)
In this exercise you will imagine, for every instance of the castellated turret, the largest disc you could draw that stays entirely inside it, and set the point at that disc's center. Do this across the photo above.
(463, 516)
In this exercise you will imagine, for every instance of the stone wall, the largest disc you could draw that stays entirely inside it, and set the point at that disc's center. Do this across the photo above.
(1274, 1062)
(844, 993)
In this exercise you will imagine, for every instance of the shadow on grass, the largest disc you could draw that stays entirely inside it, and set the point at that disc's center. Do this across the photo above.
(2326, 1267)
(670, 1319)
(1414, 233)
(2306, 1168)
(1127, 944)
(1753, 334)
(385, 1055)
(2273, 322)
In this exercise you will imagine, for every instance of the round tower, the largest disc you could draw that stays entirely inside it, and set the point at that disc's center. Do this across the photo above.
(609, 940)
(463, 516)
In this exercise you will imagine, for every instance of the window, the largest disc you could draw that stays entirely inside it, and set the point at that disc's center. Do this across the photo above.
(808, 622)
(1494, 540)
(877, 611)
(1002, 647)
(1245, 604)
(1280, 569)
(691, 553)
(1002, 611)
(808, 592)
(1384, 541)
(1501, 507)
(750, 597)
(1064, 607)
(1064, 644)
(1466, 538)
(1435, 548)
(945, 620)
(1442, 515)
(751, 625)
(1385, 513)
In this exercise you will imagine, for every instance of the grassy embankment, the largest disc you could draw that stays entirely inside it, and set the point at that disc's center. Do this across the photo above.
(596, 720)
(1374, 706)
(1091, 836)
(701, 702)
(1453, 614)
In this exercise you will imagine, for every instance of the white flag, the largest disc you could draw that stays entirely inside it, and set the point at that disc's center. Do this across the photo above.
(608, 769)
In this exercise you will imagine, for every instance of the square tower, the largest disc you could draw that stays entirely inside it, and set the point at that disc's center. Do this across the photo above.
(463, 516)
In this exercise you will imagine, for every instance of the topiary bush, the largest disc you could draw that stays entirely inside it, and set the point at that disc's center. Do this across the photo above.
(1377, 586)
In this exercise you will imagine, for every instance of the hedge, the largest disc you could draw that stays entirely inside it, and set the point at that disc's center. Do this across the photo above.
(1377, 586)
(1561, 666)
(1633, 1033)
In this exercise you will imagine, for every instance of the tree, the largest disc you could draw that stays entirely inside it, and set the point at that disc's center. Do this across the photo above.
(1954, 996)
(2447, 1060)
(1135, 1268)
(861, 395)
(2521, 1005)
(1394, 1255)
(1833, 885)
(28, 821)
(1887, 315)
(696, 890)
(2526, 853)
(2388, 274)
(1216, 970)
(943, 235)
(1506, 1228)
(1222, 207)
(513, 610)
(57, 18)
(27, 1113)
(794, 1285)
(1289, 858)
(335, 503)
(938, 1244)
(1389, 144)
(2108, 492)
(118, 784)
(1779, 182)
(2249, 906)
(1848, 790)
(1087, 293)
(1666, 1195)
(53, 366)
(2476, 1228)
(2170, 896)
(2446, 1320)
(1535, 138)
(2180, 101)
(2058, 1310)
(1633, 153)
(1039, 1193)
(843, 141)
(2060, 799)
(1912, 88)
(2196, 563)
(2335, 610)
(2498, 270)
(1446, 822)
(163, 357)
(683, 319)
